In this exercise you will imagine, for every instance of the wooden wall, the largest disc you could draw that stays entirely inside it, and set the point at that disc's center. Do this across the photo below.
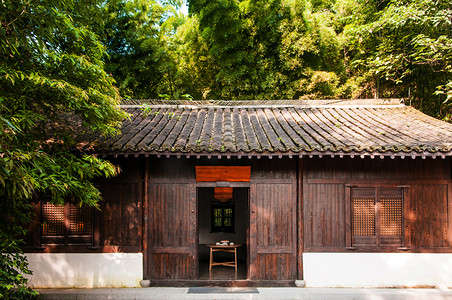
(120, 220)
(296, 205)
(427, 218)
(171, 220)
(273, 219)
(426, 181)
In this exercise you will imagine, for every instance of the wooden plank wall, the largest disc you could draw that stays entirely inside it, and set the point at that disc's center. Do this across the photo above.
(172, 246)
(324, 218)
(120, 220)
(273, 219)
(427, 216)
(427, 220)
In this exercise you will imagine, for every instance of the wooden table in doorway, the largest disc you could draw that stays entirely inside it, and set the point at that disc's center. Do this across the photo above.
(223, 248)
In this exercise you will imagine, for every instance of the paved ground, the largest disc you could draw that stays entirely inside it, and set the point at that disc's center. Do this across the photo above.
(237, 293)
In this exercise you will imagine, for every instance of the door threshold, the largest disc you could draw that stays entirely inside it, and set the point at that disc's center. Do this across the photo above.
(223, 283)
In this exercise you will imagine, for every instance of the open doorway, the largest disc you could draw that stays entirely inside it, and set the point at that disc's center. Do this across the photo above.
(223, 219)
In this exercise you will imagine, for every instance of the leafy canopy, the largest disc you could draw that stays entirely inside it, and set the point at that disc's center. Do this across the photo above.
(407, 45)
(284, 49)
(54, 88)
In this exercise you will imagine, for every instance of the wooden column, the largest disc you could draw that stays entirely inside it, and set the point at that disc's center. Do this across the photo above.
(300, 218)
(145, 224)
(348, 218)
(252, 257)
(408, 219)
(449, 214)
(193, 235)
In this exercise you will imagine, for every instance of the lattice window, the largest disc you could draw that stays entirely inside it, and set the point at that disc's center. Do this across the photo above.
(80, 220)
(217, 217)
(228, 216)
(53, 220)
(66, 224)
(222, 217)
(376, 216)
(391, 216)
(364, 217)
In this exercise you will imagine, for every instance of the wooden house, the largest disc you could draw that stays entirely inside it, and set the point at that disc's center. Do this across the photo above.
(335, 193)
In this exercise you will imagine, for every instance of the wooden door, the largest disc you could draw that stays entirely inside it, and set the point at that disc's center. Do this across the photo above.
(273, 231)
(172, 231)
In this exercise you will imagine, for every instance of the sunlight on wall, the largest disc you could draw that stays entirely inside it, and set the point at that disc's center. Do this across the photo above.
(64, 270)
(377, 269)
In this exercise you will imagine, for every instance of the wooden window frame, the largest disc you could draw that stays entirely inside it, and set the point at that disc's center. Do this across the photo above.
(381, 242)
(222, 229)
(66, 238)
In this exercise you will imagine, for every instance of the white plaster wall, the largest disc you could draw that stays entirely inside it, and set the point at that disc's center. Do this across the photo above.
(85, 270)
(377, 269)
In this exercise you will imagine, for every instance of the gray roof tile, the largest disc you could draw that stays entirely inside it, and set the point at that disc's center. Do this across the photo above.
(278, 127)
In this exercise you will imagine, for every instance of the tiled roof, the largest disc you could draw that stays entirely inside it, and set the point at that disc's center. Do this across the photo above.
(286, 127)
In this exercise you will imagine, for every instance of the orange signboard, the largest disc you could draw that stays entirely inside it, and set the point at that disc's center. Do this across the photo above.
(223, 173)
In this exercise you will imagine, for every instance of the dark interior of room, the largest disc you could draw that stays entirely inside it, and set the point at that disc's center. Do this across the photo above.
(208, 234)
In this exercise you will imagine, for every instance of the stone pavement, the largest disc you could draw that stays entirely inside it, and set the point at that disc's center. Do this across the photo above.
(238, 293)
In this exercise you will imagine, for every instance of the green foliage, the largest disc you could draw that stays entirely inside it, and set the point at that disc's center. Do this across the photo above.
(311, 49)
(266, 49)
(196, 70)
(247, 49)
(282, 49)
(406, 47)
(53, 87)
(225, 33)
(137, 38)
(13, 266)
(322, 84)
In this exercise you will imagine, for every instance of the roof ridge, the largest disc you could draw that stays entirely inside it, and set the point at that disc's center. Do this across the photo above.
(343, 103)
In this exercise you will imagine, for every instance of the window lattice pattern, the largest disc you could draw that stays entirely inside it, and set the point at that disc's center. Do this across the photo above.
(222, 219)
(80, 220)
(217, 217)
(53, 220)
(228, 217)
(364, 217)
(391, 216)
